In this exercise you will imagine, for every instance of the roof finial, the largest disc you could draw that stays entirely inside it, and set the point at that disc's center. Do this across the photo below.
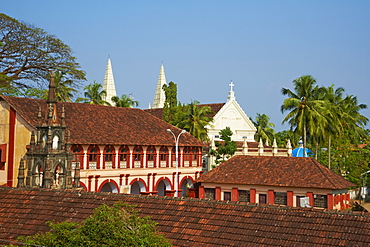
(231, 96)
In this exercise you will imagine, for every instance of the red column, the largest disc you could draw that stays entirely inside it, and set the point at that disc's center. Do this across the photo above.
(330, 201)
(310, 195)
(89, 182)
(201, 192)
(234, 195)
(148, 180)
(252, 194)
(97, 182)
(347, 200)
(289, 198)
(218, 193)
(120, 179)
(12, 120)
(341, 202)
(270, 197)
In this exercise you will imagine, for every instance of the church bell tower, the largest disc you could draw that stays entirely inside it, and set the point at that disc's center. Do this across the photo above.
(48, 161)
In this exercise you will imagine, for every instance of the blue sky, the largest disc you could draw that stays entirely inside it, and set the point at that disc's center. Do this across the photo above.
(261, 46)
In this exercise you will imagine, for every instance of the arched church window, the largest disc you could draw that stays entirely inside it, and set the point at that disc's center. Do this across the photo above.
(58, 177)
(55, 142)
(38, 176)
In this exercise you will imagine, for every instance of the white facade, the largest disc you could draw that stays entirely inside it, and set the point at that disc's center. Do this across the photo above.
(232, 115)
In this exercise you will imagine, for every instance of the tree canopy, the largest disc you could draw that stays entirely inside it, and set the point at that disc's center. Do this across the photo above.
(264, 127)
(124, 101)
(226, 149)
(118, 225)
(94, 95)
(28, 53)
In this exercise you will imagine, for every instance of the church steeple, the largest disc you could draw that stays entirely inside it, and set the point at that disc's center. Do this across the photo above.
(109, 85)
(159, 96)
(231, 95)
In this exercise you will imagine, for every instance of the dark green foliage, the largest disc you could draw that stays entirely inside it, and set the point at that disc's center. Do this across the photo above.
(118, 225)
(265, 129)
(224, 150)
(124, 101)
(282, 138)
(29, 53)
(170, 105)
(94, 95)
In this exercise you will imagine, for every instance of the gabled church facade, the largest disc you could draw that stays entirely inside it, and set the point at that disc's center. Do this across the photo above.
(98, 148)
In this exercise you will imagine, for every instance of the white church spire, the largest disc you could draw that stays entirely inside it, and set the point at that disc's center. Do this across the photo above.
(109, 85)
(159, 96)
(231, 95)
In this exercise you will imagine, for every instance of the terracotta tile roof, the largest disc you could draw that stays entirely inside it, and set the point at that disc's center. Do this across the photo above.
(97, 124)
(158, 112)
(189, 222)
(276, 171)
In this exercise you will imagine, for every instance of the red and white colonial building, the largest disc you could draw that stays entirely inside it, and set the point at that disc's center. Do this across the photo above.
(102, 148)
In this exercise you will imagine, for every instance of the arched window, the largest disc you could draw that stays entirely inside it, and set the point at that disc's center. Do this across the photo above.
(151, 157)
(78, 156)
(163, 157)
(124, 155)
(186, 156)
(109, 160)
(93, 154)
(58, 180)
(38, 176)
(56, 142)
(138, 157)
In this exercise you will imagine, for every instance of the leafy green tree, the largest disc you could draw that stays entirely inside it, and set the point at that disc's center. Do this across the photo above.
(194, 119)
(118, 225)
(306, 109)
(282, 138)
(94, 95)
(170, 105)
(124, 101)
(28, 54)
(226, 149)
(264, 128)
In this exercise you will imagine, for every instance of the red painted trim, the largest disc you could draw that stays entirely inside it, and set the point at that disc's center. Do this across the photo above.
(310, 195)
(270, 197)
(218, 193)
(289, 200)
(330, 201)
(89, 182)
(83, 185)
(201, 192)
(184, 178)
(96, 182)
(234, 195)
(12, 121)
(108, 181)
(159, 180)
(252, 194)
(141, 180)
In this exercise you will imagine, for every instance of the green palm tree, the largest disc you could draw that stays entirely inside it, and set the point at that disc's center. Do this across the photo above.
(93, 95)
(306, 108)
(264, 128)
(63, 87)
(195, 119)
(124, 101)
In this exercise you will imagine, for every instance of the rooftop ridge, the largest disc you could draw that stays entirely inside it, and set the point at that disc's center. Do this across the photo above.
(239, 205)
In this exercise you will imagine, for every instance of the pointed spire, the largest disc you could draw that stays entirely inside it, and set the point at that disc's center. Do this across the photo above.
(260, 147)
(245, 147)
(267, 142)
(289, 147)
(51, 94)
(108, 84)
(231, 95)
(159, 96)
(274, 148)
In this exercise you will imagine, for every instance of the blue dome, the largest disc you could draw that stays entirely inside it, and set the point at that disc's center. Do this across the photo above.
(298, 152)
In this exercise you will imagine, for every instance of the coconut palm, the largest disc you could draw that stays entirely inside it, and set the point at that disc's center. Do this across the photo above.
(307, 110)
(93, 95)
(264, 128)
(124, 101)
(195, 119)
(63, 87)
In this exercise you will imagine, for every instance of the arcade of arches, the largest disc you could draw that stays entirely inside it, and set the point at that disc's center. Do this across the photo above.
(137, 169)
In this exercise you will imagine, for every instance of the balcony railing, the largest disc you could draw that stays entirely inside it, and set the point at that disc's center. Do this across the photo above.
(92, 165)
